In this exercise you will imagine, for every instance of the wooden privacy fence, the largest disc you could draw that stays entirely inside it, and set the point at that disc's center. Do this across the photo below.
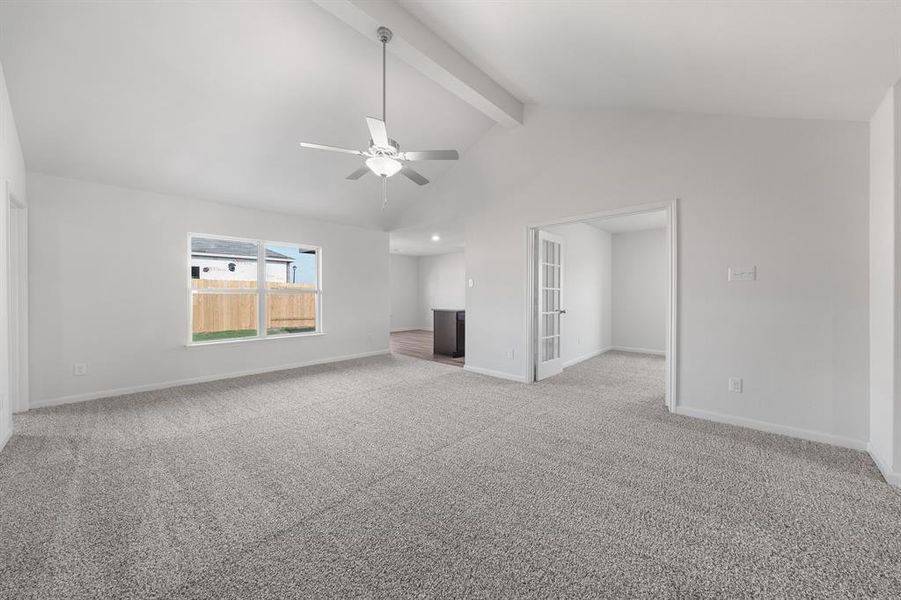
(235, 312)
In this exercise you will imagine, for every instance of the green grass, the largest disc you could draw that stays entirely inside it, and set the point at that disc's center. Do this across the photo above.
(209, 336)
(278, 330)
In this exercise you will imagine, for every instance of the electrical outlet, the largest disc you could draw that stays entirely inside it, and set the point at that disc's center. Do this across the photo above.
(79, 369)
(511, 353)
(735, 385)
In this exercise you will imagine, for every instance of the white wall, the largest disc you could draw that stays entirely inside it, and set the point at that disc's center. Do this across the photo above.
(12, 170)
(884, 299)
(789, 196)
(131, 330)
(640, 290)
(442, 284)
(404, 273)
(586, 326)
(421, 283)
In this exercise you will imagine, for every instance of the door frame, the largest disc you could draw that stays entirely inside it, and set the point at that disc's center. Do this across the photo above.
(531, 297)
(17, 268)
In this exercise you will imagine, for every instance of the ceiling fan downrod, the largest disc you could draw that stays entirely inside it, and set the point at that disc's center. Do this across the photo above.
(385, 36)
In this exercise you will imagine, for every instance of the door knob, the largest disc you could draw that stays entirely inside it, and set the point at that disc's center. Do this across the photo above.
(562, 311)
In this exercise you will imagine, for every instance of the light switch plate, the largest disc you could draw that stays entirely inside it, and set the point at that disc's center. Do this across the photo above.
(742, 273)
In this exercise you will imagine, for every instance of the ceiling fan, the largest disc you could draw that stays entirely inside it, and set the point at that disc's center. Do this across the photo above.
(383, 157)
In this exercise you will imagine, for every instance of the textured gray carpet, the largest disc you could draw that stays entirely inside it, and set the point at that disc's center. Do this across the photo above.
(395, 478)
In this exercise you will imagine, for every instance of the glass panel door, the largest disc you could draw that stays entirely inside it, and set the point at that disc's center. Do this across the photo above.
(550, 288)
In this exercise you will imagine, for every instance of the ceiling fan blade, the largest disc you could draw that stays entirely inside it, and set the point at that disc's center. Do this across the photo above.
(358, 173)
(431, 155)
(414, 176)
(377, 132)
(331, 148)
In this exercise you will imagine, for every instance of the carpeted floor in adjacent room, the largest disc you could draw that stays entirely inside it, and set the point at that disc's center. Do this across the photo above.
(393, 477)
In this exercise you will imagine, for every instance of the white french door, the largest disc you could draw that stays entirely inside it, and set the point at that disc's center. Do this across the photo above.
(550, 311)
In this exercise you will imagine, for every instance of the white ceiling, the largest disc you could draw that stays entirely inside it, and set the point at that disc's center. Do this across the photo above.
(417, 241)
(828, 59)
(210, 99)
(628, 223)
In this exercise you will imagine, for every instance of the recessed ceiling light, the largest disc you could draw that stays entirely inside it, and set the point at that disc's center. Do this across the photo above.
(436, 237)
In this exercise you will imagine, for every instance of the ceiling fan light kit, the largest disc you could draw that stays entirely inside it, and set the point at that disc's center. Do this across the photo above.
(383, 166)
(383, 157)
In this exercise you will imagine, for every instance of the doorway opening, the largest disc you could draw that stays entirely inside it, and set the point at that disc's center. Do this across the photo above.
(604, 283)
(427, 279)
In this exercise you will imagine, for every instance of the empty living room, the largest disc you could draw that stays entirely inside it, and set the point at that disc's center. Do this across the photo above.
(450, 299)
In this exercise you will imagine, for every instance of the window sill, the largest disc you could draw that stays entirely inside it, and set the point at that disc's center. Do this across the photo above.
(253, 339)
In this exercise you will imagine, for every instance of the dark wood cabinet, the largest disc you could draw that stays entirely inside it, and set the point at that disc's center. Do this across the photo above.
(449, 332)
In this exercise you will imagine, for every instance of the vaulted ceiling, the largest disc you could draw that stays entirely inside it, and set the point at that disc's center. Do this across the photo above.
(811, 59)
(210, 99)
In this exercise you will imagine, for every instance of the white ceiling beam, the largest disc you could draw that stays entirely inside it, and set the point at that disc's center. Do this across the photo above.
(418, 46)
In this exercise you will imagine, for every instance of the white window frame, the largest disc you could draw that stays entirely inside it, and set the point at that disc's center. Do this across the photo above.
(261, 291)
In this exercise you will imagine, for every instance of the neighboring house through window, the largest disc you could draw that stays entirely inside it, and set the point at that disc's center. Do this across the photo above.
(253, 289)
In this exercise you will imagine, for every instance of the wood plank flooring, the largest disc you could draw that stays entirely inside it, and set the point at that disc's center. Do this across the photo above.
(418, 343)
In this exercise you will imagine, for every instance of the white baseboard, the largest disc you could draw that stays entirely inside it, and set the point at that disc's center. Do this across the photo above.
(497, 374)
(4, 437)
(638, 350)
(584, 357)
(402, 329)
(891, 477)
(804, 434)
(192, 380)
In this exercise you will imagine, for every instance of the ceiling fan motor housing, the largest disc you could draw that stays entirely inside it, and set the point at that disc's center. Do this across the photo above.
(392, 150)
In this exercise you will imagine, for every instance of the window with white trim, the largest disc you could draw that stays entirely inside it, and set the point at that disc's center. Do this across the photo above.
(253, 289)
